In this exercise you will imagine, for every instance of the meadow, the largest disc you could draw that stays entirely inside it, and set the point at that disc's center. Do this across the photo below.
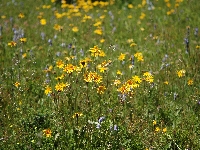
(120, 75)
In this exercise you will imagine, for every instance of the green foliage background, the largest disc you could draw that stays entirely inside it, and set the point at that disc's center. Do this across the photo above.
(163, 114)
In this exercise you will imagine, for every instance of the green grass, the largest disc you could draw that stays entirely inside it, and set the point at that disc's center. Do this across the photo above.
(82, 107)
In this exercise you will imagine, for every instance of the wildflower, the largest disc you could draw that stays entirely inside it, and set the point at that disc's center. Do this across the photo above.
(12, 44)
(96, 51)
(181, 73)
(142, 29)
(17, 84)
(75, 29)
(197, 47)
(157, 129)
(117, 82)
(69, 68)
(133, 44)
(83, 63)
(78, 114)
(60, 86)
(98, 31)
(22, 40)
(47, 132)
(130, 6)
(148, 77)
(137, 79)
(24, 55)
(60, 64)
(139, 56)
(142, 16)
(164, 130)
(21, 15)
(129, 16)
(97, 24)
(102, 69)
(60, 77)
(87, 77)
(154, 122)
(3, 16)
(166, 82)
(121, 57)
(43, 22)
(190, 82)
(48, 90)
(101, 89)
(102, 40)
(119, 72)
(57, 27)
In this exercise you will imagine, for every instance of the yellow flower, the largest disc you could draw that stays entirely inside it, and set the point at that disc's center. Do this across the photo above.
(78, 114)
(166, 82)
(164, 130)
(47, 132)
(133, 44)
(101, 89)
(121, 57)
(137, 79)
(83, 63)
(130, 6)
(129, 16)
(102, 69)
(117, 82)
(12, 44)
(24, 55)
(157, 129)
(22, 40)
(47, 90)
(60, 86)
(3, 16)
(102, 40)
(154, 122)
(139, 56)
(57, 27)
(181, 73)
(75, 29)
(60, 64)
(17, 84)
(43, 22)
(119, 72)
(69, 68)
(142, 16)
(21, 15)
(190, 82)
(148, 77)
(97, 23)
(98, 31)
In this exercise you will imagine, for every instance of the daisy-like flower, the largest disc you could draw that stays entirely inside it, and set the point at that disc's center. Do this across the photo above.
(12, 44)
(121, 57)
(17, 84)
(75, 29)
(181, 73)
(60, 64)
(43, 22)
(47, 132)
(101, 89)
(22, 40)
(21, 15)
(157, 129)
(190, 82)
(164, 130)
(48, 90)
(78, 114)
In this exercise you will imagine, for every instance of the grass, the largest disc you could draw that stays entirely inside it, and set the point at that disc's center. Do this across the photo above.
(101, 75)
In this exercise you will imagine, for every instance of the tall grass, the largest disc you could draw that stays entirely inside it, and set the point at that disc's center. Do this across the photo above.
(99, 75)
